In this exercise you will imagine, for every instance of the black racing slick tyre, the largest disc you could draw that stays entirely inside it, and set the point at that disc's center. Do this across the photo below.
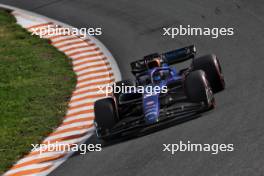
(120, 84)
(198, 89)
(126, 82)
(106, 116)
(212, 68)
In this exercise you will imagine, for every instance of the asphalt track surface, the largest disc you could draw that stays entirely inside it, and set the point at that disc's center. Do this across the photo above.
(132, 29)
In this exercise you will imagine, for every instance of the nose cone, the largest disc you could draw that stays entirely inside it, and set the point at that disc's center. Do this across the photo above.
(151, 108)
(151, 117)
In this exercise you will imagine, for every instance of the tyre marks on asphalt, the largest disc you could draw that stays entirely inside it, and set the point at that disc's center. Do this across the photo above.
(93, 69)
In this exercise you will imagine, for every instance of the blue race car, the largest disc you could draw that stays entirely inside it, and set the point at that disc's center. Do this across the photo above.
(160, 93)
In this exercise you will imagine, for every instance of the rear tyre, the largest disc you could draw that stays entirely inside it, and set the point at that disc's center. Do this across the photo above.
(198, 89)
(212, 68)
(120, 84)
(126, 82)
(106, 116)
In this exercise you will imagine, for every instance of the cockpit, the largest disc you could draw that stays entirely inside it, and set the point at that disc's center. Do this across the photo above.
(161, 74)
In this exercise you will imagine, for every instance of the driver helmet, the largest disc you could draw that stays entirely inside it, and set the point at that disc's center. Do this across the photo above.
(157, 78)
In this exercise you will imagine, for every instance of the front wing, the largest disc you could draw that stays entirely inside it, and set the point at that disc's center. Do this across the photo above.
(176, 113)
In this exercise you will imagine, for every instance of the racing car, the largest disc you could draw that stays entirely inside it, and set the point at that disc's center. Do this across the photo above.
(188, 91)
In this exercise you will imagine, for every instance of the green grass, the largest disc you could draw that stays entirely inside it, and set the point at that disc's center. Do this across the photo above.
(36, 82)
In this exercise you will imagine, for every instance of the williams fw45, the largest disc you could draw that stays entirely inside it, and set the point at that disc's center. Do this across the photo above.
(190, 91)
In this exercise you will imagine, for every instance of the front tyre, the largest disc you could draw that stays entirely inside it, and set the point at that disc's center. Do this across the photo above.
(106, 116)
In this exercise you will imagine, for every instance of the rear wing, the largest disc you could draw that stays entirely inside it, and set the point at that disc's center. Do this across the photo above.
(139, 66)
(179, 55)
(170, 58)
